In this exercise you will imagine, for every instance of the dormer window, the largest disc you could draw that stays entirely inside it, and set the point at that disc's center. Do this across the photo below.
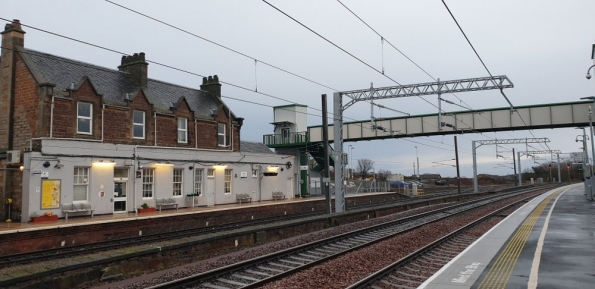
(84, 118)
(221, 135)
(182, 130)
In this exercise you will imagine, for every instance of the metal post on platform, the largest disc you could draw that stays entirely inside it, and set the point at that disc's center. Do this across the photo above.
(473, 152)
(520, 171)
(325, 178)
(458, 172)
(514, 163)
(558, 161)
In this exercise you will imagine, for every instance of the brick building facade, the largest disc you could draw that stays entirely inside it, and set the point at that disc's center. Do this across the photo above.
(65, 116)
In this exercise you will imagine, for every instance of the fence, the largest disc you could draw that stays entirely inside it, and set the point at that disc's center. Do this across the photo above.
(353, 187)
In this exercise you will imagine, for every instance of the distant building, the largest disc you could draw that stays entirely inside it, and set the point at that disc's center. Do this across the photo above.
(430, 176)
(395, 177)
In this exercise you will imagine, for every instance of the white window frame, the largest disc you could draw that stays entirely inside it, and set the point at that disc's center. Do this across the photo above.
(198, 181)
(134, 124)
(79, 117)
(211, 173)
(184, 130)
(148, 173)
(179, 182)
(227, 180)
(221, 134)
(85, 182)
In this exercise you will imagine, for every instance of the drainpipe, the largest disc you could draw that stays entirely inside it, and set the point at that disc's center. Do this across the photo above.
(155, 128)
(134, 166)
(102, 120)
(195, 135)
(52, 117)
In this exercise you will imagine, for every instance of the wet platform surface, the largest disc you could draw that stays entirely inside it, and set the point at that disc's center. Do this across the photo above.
(548, 243)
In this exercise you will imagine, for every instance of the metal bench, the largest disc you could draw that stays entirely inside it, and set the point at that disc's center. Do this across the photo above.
(243, 197)
(79, 207)
(278, 196)
(166, 202)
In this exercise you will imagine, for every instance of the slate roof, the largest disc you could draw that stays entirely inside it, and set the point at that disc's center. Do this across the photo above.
(114, 84)
(254, 147)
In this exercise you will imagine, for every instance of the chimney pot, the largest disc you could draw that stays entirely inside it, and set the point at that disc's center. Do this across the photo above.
(215, 78)
(204, 80)
(210, 79)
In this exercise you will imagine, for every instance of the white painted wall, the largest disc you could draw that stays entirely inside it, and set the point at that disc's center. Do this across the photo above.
(73, 154)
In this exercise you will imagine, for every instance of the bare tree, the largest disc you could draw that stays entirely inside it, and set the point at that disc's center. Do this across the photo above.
(364, 166)
(382, 175)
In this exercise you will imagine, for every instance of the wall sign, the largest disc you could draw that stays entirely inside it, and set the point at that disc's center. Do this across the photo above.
(50, 194)
(243, 175)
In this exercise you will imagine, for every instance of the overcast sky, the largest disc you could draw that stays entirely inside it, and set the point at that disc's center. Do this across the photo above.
(543, 46)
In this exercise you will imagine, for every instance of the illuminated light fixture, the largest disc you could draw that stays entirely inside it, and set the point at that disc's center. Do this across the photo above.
(21, 168)
(104, 162)
(166, 164)
(271, 171)
(219, 166)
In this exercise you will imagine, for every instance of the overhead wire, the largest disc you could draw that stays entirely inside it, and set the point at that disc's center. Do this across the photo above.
(484, 65)
(350, 54)
(268, 64)
(418, 66)
(41, 54)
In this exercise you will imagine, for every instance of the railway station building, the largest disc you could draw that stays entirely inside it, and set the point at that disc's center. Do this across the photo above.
(114, 139)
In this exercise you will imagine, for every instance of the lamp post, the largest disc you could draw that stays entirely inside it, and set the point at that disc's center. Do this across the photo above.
(591, 128)
(417, 157)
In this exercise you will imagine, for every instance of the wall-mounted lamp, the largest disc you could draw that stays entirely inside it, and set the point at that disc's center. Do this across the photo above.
(58, 165)
(104, 162)
(46, 164)
(21, 168)
(190, 167)
(165, 164)
(219, 166)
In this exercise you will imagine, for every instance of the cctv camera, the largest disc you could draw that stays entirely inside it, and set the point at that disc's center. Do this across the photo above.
(588, 76)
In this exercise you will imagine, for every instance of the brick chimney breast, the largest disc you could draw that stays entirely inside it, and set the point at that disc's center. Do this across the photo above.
(13, 35)
(137, 67)
(211, 85)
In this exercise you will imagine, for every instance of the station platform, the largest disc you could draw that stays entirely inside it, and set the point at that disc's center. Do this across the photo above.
(84, 220)
(547, 243)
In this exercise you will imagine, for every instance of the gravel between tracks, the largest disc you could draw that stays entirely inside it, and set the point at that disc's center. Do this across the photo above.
(352, 267)
(253, 252)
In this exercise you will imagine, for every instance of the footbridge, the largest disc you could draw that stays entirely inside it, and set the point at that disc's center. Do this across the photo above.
(539, 116)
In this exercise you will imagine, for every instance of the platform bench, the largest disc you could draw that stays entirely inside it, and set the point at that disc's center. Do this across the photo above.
(243, 197)
(278, 196)
(83, 207)
(166, 202)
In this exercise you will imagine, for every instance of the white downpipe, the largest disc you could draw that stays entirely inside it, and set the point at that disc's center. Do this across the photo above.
(134, 191)
(52, 118)
(155, 129)
(231, 130)
(195, 135)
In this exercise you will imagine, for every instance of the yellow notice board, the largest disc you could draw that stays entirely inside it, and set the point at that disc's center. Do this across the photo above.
(50, 194)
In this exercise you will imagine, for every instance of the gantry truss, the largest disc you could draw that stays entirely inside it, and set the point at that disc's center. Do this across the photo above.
(429, 88)
(512, 141)
(477, 143)
(545, 152)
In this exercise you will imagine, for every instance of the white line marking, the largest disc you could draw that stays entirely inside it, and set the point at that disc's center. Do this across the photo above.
(455, 259)
(537, 258)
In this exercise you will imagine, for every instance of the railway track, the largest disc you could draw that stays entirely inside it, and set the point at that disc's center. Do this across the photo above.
(77, 250)
(262, 270)
(412, 270)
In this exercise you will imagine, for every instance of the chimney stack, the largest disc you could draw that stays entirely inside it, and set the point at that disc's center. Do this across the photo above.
(136, 66)
(12, 37)
(211, 85)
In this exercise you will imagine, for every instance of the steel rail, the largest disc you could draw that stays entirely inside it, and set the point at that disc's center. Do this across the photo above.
(389, 269)
(334, 246)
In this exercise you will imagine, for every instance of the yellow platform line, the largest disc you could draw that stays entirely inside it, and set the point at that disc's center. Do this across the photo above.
(501, 270)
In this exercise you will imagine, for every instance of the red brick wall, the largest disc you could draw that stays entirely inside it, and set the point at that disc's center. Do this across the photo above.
(26, 107)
